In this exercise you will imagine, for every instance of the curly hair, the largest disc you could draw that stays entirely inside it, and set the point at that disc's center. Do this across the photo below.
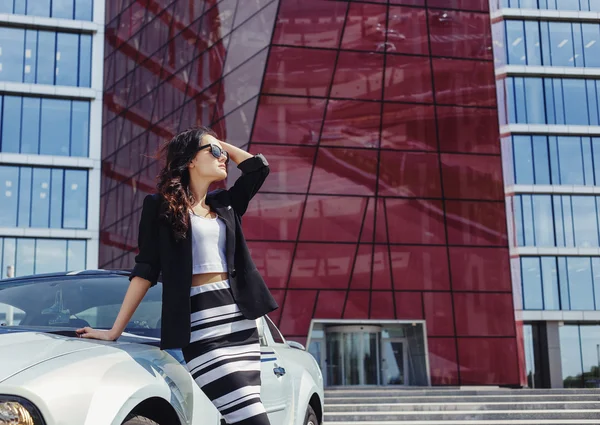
(174, 178)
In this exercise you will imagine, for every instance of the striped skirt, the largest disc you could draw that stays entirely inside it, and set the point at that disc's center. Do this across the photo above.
(223, 356)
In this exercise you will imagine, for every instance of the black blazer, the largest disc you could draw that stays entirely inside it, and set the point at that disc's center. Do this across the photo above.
(159, 251)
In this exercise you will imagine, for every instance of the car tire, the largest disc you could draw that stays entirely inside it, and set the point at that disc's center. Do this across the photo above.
(138, 420)
(311, 417)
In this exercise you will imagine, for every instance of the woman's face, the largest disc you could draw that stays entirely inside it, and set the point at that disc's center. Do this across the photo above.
(205, 165)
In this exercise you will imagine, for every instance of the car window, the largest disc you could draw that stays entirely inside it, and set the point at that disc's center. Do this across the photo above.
(10, 315)
(146, 316)
(277, 337)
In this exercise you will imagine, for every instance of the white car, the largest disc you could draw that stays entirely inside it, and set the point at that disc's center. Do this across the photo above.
(48, 376)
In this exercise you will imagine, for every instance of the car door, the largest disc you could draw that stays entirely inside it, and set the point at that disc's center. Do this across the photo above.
(276, 383)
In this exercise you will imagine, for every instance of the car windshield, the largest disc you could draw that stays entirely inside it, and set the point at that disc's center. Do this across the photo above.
(76, 301)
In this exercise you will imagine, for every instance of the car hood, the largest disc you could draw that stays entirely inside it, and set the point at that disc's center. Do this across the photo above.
(22, 348)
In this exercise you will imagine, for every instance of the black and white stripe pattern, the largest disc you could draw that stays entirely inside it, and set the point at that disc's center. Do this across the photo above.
(224, 355)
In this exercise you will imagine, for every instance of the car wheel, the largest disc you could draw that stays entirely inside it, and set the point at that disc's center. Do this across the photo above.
(311, 417)
(138, 420)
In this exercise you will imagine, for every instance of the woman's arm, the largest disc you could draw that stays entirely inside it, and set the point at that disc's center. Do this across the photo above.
(135, 293)
(236, 154)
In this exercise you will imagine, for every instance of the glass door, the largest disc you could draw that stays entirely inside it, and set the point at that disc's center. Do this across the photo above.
(394, 361)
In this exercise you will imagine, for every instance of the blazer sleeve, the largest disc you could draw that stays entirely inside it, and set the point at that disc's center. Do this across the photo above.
(254, 172)
(147, 262)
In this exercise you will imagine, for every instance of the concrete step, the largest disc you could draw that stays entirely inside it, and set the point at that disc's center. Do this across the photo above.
(461, 406)
(492, 422)
(379, 392)
(463, 416)
(530, 398)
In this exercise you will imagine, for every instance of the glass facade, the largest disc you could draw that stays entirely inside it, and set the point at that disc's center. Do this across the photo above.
(565, 44)
(45, 57)
(582, 5)
(561, 101)
(385, 199)
(45, 126)
(580, 355)
(36, 255)
(64, 9)
(43, 197)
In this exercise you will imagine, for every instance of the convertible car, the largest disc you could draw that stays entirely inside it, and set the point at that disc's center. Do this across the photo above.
(50, 376)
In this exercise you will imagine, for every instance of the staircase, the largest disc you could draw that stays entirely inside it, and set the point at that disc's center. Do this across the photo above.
(470, 406)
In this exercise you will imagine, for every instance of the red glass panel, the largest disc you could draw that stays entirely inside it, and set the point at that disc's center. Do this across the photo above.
(333, 218)
(442, 361)
(489, 360)
(344, 171)
(361, 275)
(460, 34)
(469, 130)
(365, 27)
(382, 276)
(368, 222)
(297, 312)
(409, 305)
(357, 305)
(290, 167)
(298, 71)
(407, 31)
(330, 304)
(420, 268)
(358, 75)
(288, 120)
(381, 222)
(477, 269)
(276, 314)
(477, 5)
(408, 79)
(476, 223)
(481, 314)
(409, 174)
(273, 260)
(472, 176)
(273, 217)
(408, 127)
(438, 313)
(415, 221)
(464, 82)
(313, 23)
(352, 123)
(382, 305)
(409, 2)
(321, 265)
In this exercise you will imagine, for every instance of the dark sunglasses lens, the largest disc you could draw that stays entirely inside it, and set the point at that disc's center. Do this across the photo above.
(216, 151)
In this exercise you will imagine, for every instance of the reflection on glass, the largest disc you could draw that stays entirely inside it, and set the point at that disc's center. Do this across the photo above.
(571, 160)
(30, 128)
(9, 189)
(75, 205)
(24, 213)
(515, 42)
(30, 62)
(40, 197)
(529, 355)
(85, 61)
(570, 353)
(580, 283)
(11, 124)
(586, 221)
(83, 9)
(543, 220)
(533, 43)
(550, 283)
(50, 256)
(55, 129)
(56, 200)
(76, 255)
(561, 44)
(25, 257)
(523, 160)
(532, 283)
(9, 255)
(46, 53)
(541, 159)
(12, 43)
(67, 58)
(590, 354)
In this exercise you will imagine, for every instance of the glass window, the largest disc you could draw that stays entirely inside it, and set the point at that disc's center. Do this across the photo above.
(563, 279)
(590, 354)
(534, 98)
(30, 56)
(24, 213)
(577, 58)
(528, 221)
(523, 160)
(545, 36)
(596, 153)
(85, 60)
(46, 54)
(596, 277)
(558, 105)
(19, 7)
(8, 256)
(80, 128)
(571, 160)
(561, 44)
(50, 256)
(586, 221)
(533, 43)
(554, 163)
(543, 220)
(550, 283)
(6, 6)
(76, 255)
(25, 257)
(559, 230)
(518, 212)
(575, 101)
(67, 59)
(532, 283)
(588, 166)
(11, 124)
(570, 353)
(30, 125)
(541, 159)
(520, 102)
(40, 197)
(591, 44)
(581, 292)
(515, 42)
(592, 99)
(9, 190)
(55, 127)
(549, 96)
(83, 10)
(511, 100)
(62, 9)
(12, 46)
(567, 221)
(56, 199)
(75, 195)
(38, 7)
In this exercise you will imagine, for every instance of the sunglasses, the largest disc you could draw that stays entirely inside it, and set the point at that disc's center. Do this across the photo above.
(216, 151)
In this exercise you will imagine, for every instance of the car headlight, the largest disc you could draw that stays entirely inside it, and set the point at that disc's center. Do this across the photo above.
(18, 411)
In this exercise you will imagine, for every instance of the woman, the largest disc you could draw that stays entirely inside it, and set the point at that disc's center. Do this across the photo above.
(212, 292)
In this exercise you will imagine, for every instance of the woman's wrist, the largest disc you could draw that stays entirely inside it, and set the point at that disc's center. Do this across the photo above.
(114, 333)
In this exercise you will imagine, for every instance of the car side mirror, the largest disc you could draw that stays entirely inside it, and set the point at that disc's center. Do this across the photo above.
(295, 344)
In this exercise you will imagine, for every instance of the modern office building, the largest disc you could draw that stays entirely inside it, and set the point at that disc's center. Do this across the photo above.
(547, 57)
(382, 228)
(51, 57)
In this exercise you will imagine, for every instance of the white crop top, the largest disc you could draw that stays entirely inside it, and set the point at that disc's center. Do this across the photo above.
(208, 245)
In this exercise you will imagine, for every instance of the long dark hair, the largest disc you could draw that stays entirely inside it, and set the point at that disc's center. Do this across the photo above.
(174, 178)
